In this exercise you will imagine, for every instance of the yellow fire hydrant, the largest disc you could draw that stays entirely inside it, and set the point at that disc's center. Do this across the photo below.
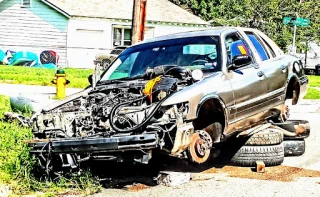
(61, 82)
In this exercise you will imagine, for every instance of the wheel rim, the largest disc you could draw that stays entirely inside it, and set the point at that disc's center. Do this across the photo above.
(200, 147)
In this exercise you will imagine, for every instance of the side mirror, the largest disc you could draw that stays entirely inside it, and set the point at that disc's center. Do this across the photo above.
(90, 79)
(239, 61)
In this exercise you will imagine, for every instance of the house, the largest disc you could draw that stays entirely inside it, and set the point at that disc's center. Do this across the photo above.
(78, 30)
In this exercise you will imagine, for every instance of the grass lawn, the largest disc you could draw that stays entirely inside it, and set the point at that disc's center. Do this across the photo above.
(312, 94)
(38, 76)
(79, 78)
(314, 81)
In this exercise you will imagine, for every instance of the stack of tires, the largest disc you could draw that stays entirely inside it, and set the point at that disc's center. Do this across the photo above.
(271, 146)
(266, 146)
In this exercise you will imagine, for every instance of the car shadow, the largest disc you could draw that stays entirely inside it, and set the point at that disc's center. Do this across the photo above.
(128, 175)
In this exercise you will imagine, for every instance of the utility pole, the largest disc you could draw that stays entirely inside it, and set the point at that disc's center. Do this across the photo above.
(139, 20)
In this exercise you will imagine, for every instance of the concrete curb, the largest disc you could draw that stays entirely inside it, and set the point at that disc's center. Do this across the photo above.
(306, 106)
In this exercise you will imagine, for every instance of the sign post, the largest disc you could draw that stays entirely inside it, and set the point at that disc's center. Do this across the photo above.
(295, 22)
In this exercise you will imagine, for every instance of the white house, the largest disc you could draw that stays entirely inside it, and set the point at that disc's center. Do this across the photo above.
(78, 30)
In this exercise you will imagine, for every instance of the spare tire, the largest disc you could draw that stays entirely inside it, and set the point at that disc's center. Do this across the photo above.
(266, 137)
(248, 155)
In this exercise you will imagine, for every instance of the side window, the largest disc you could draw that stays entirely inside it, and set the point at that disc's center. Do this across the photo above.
(272, 53)
(235, 46)
(257, 43)
(262, 46)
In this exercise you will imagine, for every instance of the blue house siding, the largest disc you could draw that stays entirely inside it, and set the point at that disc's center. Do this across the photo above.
(36, 28)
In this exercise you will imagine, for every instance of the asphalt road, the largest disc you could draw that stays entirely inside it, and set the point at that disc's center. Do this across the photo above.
(297, 176)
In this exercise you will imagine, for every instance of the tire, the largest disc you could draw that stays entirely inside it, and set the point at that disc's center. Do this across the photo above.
(294, 126)
(266, 137)
(294, 147)
(248, 155)
(105, 63)
(290, 125)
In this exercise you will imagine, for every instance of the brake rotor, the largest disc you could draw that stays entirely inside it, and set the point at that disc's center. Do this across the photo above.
(200, 147)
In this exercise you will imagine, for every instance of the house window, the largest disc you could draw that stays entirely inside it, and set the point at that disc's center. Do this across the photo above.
(25, 3)
(121, 36)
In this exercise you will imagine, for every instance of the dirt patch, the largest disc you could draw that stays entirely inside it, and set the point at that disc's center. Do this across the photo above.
(209, 171)
(277, 173)
(136, 187)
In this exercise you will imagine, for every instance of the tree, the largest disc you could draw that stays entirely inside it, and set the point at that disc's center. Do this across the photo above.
(264, 15)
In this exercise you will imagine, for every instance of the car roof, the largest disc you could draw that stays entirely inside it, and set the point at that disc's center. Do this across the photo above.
(212, 31)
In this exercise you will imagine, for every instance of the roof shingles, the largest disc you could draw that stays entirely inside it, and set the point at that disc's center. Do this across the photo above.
(157, 10)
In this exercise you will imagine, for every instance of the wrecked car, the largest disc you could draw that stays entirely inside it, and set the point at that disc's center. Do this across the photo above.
(105, 59)
(179, 94)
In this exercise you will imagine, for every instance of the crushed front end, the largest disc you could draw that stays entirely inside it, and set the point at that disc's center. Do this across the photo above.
(120, 120)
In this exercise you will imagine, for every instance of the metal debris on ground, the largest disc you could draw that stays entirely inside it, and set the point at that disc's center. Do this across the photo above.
(171, 179)
(136, 187)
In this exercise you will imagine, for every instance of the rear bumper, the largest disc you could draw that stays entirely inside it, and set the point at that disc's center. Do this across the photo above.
(95, 145)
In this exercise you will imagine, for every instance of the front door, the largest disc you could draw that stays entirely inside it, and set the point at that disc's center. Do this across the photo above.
(248, 82)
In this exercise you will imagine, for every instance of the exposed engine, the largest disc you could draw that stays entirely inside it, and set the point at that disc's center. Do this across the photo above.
(119, 107)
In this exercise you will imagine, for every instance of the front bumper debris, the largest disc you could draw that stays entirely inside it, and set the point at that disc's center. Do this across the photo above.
(96, 145)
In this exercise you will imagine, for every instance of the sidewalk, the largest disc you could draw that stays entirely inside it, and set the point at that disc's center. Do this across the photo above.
(306, 106)
(32, 90)
(33, 96)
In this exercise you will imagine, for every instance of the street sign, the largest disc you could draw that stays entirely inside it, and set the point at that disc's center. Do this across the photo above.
(300, 22)
(286, 20)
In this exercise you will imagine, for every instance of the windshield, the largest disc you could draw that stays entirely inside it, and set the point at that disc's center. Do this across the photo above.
(193, 53)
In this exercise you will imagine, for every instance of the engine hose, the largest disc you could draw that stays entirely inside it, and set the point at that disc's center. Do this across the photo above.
(138, 126)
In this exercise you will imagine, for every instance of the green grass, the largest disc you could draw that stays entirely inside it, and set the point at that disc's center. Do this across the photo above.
(16, 165)
(37, 76)
(314, 81)
(79, 78)
(312, 94)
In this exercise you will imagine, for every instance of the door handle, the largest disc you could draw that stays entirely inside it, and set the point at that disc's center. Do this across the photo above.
(283, 67)
(260, 74)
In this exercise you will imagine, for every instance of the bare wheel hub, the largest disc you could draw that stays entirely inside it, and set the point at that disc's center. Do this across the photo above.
(285, 113)
(200, 147)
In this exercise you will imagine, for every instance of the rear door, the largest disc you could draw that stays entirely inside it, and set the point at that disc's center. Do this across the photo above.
(274, 67)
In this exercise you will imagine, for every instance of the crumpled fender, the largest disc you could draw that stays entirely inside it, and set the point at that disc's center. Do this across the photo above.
(195, 93)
